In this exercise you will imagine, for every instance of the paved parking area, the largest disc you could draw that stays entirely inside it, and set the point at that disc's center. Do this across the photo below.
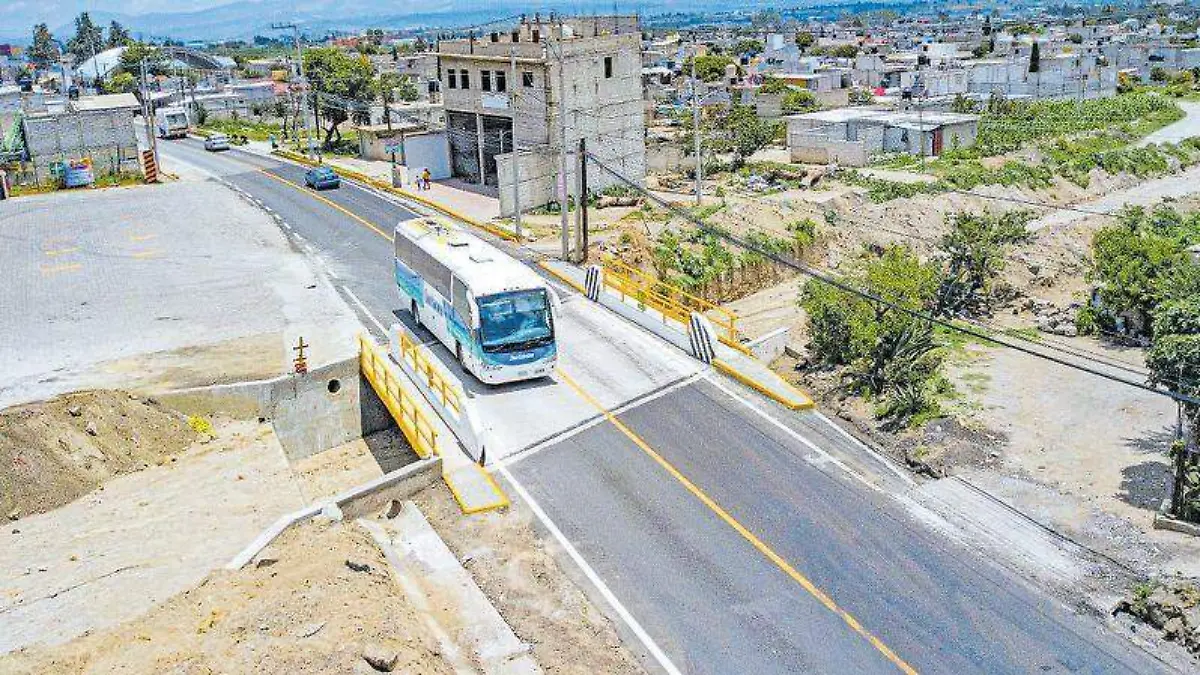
(168, 285)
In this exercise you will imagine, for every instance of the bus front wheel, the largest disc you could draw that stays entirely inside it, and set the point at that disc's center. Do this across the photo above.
(416, 313)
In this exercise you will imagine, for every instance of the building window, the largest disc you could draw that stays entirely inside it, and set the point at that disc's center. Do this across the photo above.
(501, 81)
(608, 66)
(464, 79)
(485, 80)
(527, 78)
(452, 79)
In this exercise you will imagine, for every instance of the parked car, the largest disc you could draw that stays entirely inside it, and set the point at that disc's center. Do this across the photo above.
(321, 178)
(216, 142)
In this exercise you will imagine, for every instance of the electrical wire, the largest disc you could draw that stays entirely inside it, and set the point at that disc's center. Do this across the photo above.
(827, 278)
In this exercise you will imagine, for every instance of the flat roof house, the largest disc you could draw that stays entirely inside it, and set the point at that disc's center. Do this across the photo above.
(850, 136)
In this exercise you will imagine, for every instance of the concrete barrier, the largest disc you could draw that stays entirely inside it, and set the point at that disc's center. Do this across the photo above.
(321, 409)
(369, 498)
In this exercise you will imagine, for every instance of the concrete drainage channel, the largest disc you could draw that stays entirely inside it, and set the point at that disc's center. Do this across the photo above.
(330, 406)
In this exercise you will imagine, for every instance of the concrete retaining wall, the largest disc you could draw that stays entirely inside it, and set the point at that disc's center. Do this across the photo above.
(369, 498)
(322, 409)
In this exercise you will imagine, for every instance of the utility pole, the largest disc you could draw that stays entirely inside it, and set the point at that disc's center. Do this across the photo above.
(696, 122)
(512, 141)
(582, 217)
(303, 83)
(562, 147)
(147, 110)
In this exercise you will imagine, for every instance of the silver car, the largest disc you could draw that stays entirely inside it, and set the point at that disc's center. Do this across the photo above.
(216, 142)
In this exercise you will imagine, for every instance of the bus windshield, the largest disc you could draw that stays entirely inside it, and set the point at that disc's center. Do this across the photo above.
(515, 320)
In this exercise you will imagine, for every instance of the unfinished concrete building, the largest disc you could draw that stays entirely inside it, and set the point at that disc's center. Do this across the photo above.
(502, 92)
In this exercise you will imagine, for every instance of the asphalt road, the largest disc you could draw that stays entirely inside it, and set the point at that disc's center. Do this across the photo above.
(742, 538)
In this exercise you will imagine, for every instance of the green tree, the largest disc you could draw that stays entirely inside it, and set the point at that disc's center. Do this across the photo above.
(136, 52)
(1138, 264)
(1035, 58)
(748, 46)
(889, 354)
(799, 101)
(344, 86)
(42, 51)
(118, 36)
(88, 38)
(804, 40)
(709, 67)
(974, 252)
(845, 51)
(773, 85)
(747, 131)
(1159, 74)
(121, 83)
(1174, 363)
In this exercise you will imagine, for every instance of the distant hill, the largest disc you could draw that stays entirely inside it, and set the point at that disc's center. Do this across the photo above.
(216, 19)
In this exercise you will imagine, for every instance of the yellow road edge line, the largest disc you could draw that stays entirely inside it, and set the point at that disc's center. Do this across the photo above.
(61, 268)
(147, 254)
(561, 277)
(61, 251)
(746, 534)
(142, 237)
(383, 185)
(328, 202)
(806, 404)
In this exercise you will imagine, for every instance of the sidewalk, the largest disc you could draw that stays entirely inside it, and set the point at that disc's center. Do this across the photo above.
(451, 193)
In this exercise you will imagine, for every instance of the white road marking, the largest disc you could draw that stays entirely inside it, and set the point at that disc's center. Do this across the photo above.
(900, 473)
(794, 434)
(648, 642)
(363, 308)
(598, 419)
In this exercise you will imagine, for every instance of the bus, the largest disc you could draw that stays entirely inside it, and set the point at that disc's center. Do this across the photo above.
(171, 122)
(493, 312)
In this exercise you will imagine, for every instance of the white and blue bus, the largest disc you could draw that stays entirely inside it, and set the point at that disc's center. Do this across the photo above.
(494, 313)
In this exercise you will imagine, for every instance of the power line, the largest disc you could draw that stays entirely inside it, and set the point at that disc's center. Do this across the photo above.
(828, 279)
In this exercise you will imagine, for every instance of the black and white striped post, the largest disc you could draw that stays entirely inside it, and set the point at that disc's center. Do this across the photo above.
(702, 337)
(593, 282)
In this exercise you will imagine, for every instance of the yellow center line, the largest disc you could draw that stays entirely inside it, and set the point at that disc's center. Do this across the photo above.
(61, 251)
(746, 534)
(52, 269)
(147, 254)
(142, 237)
(319, 198)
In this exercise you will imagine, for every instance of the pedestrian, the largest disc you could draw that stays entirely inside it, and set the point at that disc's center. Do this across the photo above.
(425, 176)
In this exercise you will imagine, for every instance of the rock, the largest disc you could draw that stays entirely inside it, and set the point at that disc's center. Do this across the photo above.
(75, 411)
(332, 513)
(90, 428)
(393, 509)
(309, 629)
(1174, 629)
(358, 566)
(266, 558)
(380, 657)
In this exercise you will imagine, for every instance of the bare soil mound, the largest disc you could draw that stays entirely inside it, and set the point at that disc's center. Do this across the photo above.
(55, 451)
(320, 600)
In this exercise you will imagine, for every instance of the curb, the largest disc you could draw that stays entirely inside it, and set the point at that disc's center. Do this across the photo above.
(419, 474)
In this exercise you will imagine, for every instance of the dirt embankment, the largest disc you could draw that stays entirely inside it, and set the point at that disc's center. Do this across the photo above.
(55, 451)
(516, 571)
(321, 599)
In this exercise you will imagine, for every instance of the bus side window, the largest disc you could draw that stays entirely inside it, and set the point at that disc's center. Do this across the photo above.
(462, 305)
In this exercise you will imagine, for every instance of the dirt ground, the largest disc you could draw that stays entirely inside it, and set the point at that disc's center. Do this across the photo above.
(58, 450)
(308, 612)
(519, 574)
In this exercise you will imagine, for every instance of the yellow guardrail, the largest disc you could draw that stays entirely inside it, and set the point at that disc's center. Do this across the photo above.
(669, 300)
(415, 355)
(400, 402)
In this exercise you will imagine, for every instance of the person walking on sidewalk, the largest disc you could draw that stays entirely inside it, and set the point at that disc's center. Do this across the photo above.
(425, 176)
